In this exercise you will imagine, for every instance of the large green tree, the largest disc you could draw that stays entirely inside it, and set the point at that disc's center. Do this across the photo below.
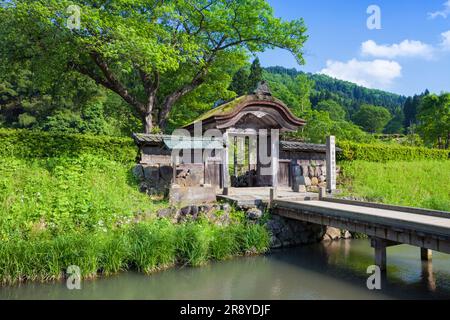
(372, 118)
(336, 111)
(255, 75)
(294, 91)
(149, 52)
(434, 120)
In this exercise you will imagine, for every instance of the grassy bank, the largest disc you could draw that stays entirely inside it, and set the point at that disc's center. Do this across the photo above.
(145, 246)
(87, 211)
(423, 183)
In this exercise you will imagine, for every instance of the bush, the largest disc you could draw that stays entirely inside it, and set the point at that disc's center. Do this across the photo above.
(37, 144)
(384, 152)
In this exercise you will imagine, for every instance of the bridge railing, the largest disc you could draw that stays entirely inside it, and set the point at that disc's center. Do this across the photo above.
(422, 211)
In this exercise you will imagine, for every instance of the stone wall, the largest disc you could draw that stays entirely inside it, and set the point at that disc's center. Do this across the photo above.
(288, 232)
(312, 174)
(157, 178)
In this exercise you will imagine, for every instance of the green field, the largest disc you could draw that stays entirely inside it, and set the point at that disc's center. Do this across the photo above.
(424, 183)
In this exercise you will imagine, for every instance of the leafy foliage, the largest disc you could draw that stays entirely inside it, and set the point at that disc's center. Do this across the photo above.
(372, 118)
(381, 152)
(434, 119)
(324, 119)
(150, 53)
(27, 144)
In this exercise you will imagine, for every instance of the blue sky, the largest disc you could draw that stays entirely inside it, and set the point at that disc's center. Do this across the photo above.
(410, 53)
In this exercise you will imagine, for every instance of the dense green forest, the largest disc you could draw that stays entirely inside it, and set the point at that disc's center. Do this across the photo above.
(352, 112)
(345, 93)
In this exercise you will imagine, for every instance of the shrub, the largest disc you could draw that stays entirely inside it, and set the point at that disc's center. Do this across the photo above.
(37, 144)
(384, 152)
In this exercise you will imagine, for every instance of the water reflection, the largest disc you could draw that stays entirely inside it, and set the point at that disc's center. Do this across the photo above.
(428, 276)
(330, 270)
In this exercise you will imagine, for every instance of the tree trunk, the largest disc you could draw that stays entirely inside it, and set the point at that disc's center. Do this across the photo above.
(147, 117)
(147, 120)
(447, 145)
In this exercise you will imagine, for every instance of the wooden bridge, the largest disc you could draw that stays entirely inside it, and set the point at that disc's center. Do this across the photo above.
(386, 225)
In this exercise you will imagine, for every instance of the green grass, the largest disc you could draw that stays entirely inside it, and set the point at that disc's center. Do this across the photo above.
(147, 246)
(424, 183)
(88, 212)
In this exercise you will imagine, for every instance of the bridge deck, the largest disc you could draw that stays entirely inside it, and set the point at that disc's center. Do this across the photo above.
(419, 222)
(258, 195)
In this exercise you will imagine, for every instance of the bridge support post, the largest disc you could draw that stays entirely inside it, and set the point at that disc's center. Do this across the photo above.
(425, 254)
(272, 196)
(380, 252)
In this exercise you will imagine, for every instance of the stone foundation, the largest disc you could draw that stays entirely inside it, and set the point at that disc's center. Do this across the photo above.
(288, 232)
(192, 195)
(158, 178)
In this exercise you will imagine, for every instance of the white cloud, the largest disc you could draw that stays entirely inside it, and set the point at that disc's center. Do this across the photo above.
(445, 44)
(372, 74)
(444, 13)
(406, 48)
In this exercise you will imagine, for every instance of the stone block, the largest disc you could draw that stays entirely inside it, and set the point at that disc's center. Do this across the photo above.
(151, 173)
(138, 172)
(166, 173)
(254, 214)
(305, 171)
(317, 172)
(332, 234)
(191, 195)
(346, 235)
(305, 181)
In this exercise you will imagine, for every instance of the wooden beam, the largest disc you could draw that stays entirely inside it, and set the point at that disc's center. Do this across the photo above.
(225, 161)
(275, 148)
(174, 168)
(331, 164)
(235, 146)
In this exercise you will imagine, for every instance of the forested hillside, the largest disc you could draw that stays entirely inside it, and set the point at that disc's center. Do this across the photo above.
(349, 111)
(348, 94)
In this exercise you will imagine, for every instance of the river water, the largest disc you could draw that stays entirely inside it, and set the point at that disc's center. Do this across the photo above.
(333, 270)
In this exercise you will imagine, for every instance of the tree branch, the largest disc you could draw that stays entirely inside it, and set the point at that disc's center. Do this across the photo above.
(171, 99)
(109, 81)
